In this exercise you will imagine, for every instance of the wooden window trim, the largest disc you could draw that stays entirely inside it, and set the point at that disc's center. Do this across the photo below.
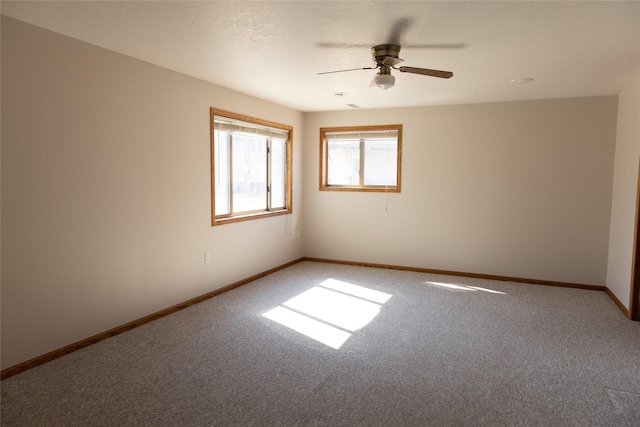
(288, 175)
(365, 189)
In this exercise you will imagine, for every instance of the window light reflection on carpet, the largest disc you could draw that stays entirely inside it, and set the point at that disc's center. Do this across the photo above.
(330, 312)
(451, 286)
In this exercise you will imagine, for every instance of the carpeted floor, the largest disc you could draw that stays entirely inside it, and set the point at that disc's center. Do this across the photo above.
(436, 351)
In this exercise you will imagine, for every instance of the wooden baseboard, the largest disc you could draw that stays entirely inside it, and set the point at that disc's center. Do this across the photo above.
(484, 276)
(462, 274)
(8, 372)
(618, 303)
(128, 326)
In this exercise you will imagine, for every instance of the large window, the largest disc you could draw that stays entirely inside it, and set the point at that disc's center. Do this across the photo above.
(250, 167)
(364, 158)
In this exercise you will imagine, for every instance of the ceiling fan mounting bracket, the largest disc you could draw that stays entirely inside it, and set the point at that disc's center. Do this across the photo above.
(384, 69)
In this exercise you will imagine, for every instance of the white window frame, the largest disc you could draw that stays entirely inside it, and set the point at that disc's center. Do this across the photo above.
(360, 133)
(228, 121)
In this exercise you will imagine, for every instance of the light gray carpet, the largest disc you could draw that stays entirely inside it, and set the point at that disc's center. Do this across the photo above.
(435, 355)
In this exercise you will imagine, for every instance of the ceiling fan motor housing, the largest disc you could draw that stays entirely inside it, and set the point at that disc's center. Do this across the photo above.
(380, 52)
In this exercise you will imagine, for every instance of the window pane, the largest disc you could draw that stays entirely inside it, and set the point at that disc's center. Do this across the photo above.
(343, 166)
(249, 173)
(221, 168)
(380, 162)
(278, 173)
(361, 158)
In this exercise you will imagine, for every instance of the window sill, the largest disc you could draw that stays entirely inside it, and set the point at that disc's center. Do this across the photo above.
(362, 189)
(247, 217)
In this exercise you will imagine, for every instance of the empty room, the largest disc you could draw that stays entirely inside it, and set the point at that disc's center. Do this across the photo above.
(320, 213)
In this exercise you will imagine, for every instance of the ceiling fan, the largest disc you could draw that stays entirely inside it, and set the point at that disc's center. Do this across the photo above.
(386, 57)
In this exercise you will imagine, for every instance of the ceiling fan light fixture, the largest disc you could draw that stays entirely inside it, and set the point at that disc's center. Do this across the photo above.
(384, 81)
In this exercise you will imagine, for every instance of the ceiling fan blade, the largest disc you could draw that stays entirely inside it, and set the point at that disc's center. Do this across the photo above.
(400, 27)
(426, 72)
(330, 45)
(435, 46)
(350, 69)
(391, 61)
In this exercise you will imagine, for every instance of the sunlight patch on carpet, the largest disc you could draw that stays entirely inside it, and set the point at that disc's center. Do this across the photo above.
(451, 286)
(330, 312)
(319, 331)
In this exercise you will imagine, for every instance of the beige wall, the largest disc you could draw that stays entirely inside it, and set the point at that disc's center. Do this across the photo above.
(625, 185)
(515, 189)
(106, 192)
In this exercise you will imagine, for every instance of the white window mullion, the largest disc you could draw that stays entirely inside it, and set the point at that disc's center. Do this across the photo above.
(230, 174)
(269, 174)
(361, 171)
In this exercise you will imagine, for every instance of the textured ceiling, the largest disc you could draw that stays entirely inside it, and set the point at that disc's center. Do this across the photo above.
(273, 50)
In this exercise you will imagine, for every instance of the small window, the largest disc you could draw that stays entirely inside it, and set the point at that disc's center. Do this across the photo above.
(361, 158)
(250, 167)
